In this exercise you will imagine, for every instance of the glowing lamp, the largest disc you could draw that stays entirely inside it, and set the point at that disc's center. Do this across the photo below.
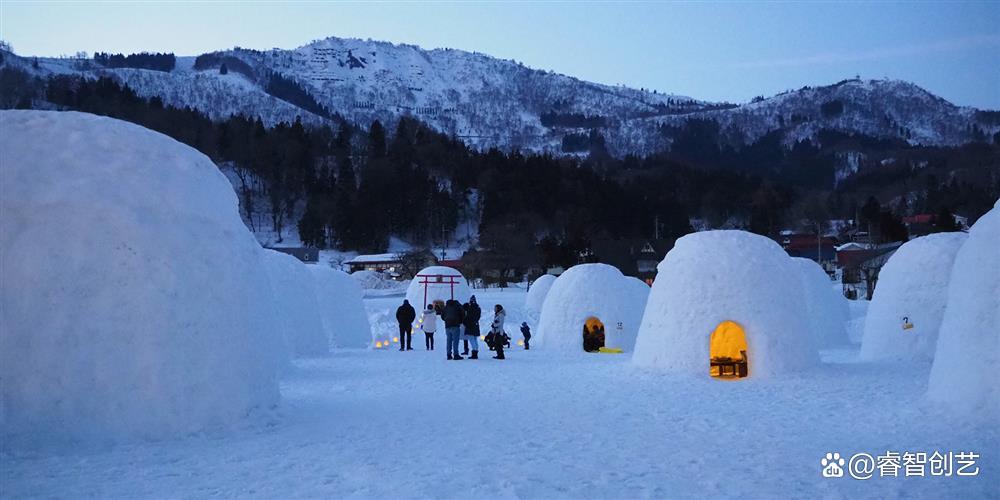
(378, 345)
(520, 342)
(395, 339)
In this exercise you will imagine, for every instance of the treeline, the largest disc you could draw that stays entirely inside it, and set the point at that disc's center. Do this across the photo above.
(573, 120)
(143, 60)
(353, 187)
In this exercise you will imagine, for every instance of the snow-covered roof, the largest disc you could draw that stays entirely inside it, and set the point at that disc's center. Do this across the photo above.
(374, 258)
(717, 276)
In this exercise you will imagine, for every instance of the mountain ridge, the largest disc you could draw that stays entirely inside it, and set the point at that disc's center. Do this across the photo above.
(490, 102)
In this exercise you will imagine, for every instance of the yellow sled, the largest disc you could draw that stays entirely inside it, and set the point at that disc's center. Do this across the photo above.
(609, 350)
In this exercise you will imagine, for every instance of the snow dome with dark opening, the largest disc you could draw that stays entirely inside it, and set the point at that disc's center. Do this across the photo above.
(591, 306)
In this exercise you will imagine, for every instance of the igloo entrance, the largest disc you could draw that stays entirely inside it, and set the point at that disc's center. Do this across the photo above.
(728, 351)
(593, 334)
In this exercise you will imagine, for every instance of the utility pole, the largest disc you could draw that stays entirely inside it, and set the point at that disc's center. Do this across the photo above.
(656, 227)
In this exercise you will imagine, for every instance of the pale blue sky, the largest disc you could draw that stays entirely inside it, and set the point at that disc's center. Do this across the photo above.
(717, 51)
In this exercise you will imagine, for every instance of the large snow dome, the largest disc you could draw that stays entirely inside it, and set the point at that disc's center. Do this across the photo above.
(536, 294)
(437, 283)
(726, 300)
(906, 310)
(826, 309)
(134, 300)
(294, 292)
(589, 296)
(341, 307)
(965, 364)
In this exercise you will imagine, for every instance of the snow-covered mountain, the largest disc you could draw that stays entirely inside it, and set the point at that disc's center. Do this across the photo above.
(490, 102)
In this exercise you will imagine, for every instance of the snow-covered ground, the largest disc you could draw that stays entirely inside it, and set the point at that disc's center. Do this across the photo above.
(538, 425)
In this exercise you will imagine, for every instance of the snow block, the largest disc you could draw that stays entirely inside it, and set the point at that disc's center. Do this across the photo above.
(964, 372)
(294, 290)
(134, 301)
(536, 295)
(341, 308)
(591, 291)
(826, 309)
(436, 290)
(909, 300)
(716, 276)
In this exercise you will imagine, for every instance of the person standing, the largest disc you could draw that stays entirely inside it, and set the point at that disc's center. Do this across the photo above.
(499, 336)
(428, 323)
(526, 332)
(472, 315)
(453, 316)
(405, 315)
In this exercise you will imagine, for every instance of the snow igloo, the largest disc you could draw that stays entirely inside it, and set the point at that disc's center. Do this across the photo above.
(905, 312)
(294, 291)
(825, 307)
(727, 304)
(963, 375)
(341, 308)
(437, 284)
(589, 307)
(135, 303)
(536, 294)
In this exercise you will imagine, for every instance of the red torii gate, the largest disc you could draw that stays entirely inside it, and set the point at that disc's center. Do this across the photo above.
(438, 279)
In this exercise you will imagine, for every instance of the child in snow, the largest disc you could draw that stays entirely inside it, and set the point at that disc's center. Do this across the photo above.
(496, 329)
(526, 332)
(428, 323)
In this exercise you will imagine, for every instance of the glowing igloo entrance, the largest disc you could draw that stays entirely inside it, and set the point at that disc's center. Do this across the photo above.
(593, 334)
(728, 351)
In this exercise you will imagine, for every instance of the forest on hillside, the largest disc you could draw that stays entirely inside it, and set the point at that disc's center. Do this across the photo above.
(350, 187)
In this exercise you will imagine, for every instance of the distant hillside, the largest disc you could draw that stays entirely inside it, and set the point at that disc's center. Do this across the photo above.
(489, 102)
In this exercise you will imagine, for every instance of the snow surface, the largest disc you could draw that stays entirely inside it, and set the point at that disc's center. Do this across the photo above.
(437, 291)
(587, 290)
(912, 286)
(964, 374)
(372, 424)
(537, 293)
(341, 308)
(134, 301)
(826, 309)
(714, 276)
(294, 294)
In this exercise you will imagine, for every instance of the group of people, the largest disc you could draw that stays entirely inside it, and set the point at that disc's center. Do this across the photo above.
(461, 322)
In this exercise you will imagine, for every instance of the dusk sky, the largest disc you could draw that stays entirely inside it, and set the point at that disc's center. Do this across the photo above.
(713, 51)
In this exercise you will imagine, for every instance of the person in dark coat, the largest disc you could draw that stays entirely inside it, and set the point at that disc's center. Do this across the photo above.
(453, 315)
(471, 323)
(405, 315)
(526, 332)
